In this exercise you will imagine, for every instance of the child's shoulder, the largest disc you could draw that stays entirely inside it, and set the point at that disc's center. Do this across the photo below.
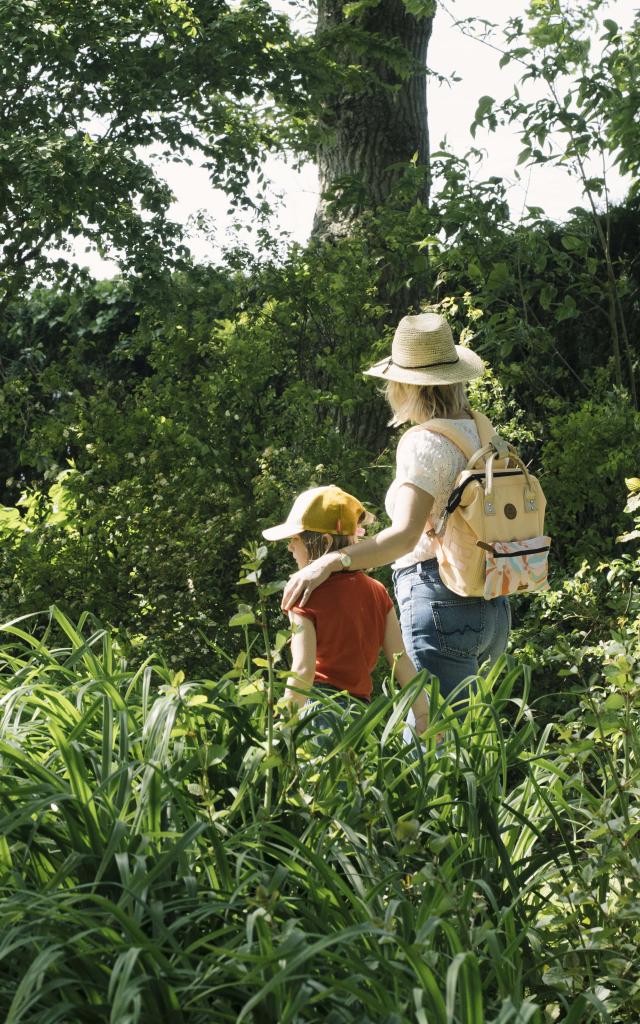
(373, 586)
(347, 581)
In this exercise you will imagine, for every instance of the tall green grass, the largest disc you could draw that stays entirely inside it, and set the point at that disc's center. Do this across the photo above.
(174, 850)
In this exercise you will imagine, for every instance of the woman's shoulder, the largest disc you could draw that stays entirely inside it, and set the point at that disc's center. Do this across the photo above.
(427, 436)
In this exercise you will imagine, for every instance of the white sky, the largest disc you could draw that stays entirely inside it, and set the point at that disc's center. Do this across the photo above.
(451, 111)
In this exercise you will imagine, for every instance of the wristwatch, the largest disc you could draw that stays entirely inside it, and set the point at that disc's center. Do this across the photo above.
(345, 560)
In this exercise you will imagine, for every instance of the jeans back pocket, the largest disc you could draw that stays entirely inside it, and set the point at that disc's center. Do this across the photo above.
(460, 626)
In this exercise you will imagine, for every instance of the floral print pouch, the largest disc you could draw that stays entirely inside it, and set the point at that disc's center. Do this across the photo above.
(517, 566)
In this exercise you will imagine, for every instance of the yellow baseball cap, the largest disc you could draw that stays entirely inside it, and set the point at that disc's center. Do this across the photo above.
(322, 510)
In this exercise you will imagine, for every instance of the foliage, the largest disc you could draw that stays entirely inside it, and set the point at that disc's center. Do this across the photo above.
(95, 93)
(183, 861)
(185, 431)
(584, 119)
(190, 423)
(184, 850)
(589, 451)
(585, 627)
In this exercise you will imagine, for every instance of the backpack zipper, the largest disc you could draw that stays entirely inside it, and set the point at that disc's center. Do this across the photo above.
(510, 554)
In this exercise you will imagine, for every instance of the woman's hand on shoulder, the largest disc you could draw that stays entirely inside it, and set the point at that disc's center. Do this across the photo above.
(302, 583)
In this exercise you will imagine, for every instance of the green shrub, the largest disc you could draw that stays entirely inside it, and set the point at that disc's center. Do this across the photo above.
(573, 634)
(589, 451)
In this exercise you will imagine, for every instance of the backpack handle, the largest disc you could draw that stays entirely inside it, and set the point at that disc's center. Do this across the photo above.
(529, 495)
(497, 447)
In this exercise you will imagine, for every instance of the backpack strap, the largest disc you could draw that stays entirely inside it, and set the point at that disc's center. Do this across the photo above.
(486, 433)
(491, 444)
(446, 429)
(486, 429)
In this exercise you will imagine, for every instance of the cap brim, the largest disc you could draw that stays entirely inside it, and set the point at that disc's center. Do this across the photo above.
(468, 367)
(282, 531)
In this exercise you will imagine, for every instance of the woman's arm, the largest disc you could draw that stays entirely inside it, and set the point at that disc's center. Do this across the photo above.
(405, 672)
(303, 658)
(411, 511)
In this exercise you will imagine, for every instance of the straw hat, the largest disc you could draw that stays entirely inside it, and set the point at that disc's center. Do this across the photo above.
(423, 352)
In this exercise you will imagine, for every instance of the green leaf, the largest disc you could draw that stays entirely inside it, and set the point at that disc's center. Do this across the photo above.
(10, 520)
(421, 8)
(500, 278)
(567, 310)
(251, 693)
(624, 538)
(483, 111)
(614, 702)
(485, 104)
(242, 619)
(272, 588)
(572, 243)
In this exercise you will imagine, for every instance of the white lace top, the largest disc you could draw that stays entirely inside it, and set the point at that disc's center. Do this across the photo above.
(431, 462)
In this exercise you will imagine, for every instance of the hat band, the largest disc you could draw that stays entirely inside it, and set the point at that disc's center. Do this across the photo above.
(425, 366)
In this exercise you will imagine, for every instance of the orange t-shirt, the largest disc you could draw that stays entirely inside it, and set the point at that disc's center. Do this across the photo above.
(349, 612)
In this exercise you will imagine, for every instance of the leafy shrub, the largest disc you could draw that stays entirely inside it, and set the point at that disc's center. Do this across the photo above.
(189, 422)
(589, 451)
(575, 634)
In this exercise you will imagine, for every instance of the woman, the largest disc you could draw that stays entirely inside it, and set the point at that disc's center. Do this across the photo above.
(449, 635)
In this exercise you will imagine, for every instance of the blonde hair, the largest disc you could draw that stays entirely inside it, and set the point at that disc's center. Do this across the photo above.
(417, 403)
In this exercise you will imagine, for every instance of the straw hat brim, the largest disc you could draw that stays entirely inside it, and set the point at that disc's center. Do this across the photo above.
(468, 367)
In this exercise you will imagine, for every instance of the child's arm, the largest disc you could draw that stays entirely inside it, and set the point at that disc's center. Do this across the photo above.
(303, 658)
(394, 651)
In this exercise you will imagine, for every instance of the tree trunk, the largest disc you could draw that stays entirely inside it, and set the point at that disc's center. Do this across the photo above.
(375, 125)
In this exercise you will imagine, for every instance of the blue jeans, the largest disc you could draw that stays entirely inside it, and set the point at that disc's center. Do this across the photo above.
(450, 636)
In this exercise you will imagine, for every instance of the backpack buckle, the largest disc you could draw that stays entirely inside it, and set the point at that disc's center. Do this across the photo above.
(530, 501)
(489, 505)
(500, 445)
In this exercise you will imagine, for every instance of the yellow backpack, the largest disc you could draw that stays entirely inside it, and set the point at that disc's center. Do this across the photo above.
(491, 540)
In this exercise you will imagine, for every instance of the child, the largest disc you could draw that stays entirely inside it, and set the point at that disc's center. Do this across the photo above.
(347, 620)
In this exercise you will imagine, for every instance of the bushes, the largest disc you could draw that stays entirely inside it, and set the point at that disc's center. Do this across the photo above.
(183, 433)
(585, 628)
(190, 420)
(589, 451)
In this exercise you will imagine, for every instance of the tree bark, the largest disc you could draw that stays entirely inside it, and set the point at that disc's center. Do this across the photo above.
(379, 121)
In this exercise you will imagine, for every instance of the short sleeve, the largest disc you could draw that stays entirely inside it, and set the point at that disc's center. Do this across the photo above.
(384, 601)
(420, 461)
(307, 612)
(387, 603)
